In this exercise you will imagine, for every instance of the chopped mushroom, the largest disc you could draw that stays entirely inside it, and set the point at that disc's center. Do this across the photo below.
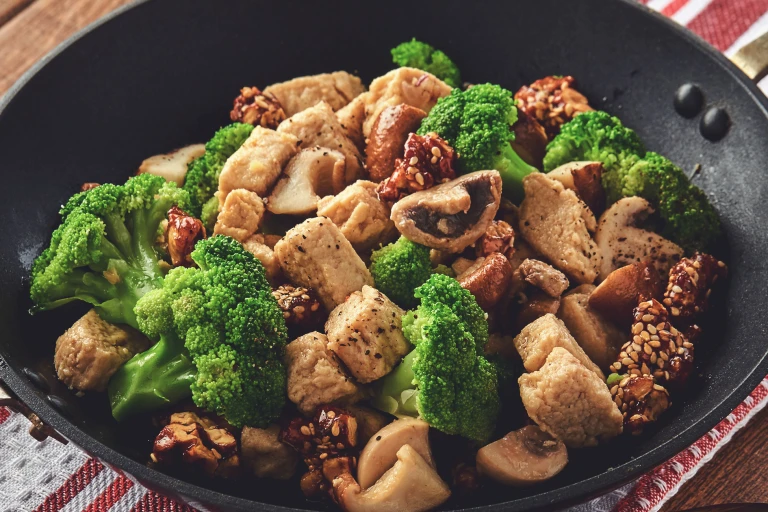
(544, 277)
(623, 289)
(172, 166)
(557, 224)
(620, 242)
(523, 457)
(450, 216)
(489, 280)
(312, 174)
(585, 179)
(387, 138)
(530, 141)
(380, 453)
(411, 485)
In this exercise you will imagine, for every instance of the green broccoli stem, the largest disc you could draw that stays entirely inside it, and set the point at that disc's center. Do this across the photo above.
(158, 377)
(513, 169)
(397, 392)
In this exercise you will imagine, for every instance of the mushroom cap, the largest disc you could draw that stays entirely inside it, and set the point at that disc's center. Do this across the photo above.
(310, 175)
(523, 457)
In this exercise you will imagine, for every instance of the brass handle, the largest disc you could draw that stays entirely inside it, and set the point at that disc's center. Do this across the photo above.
(752, 58)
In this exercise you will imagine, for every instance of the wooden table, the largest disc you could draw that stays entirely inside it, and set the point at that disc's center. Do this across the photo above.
(31, 28)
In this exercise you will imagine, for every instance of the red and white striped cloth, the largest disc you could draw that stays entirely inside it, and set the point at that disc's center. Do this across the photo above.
(50, 477)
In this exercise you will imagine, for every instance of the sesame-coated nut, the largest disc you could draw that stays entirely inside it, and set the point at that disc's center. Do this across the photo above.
(552, 101)
(690, 284)
(640, 400)
(257, 108)
(300, 306)
(498, 237)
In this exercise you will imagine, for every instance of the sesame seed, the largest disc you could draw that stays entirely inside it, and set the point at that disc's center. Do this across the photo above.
(648, 350)
(419, 179)
(635, 371)
(655, 343)
(658, 388)
(618, 401)
(720, 264)
(305, 430)
(661, 362)
(667, 301)
(614, 389)
(653, 358)
(664, 356)
(636, 347)
(696, 265)
(681, 351)
(436, 151)
(331, 414)
(412, 170)
(626, 361)
(651, 329)
(414, 160)
(323, 456)
(645, 335)
(624, 381)
(677, 289)
(638, 340)
(645, 369)
(433, 159)
(635, 357)
(637, 328)
(647, 318)
(335, 430)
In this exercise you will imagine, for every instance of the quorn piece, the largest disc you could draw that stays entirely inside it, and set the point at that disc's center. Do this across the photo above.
(410, 485)
(427, 161)
(315, 254)
(318, 126)
(657, 348)
(539, 338)
(620, 242)
(256, 245)
(181, 234)
(264, 456)
(690, 284)
(544, 277)
(450, 216)
(313, 173)
(557, 225)
(172, 166)
(490, 281)
(530, 141)
(570, 402)
(91, 351)
(240, 215)
(380, 453)
(599, 337)
(585, 179)
(315, 375)
(623, 289)
(523, 457)
(257, 108)
(336, 89)
(553, 101)
(257, 164)
(351, 119)
(365, 332)
(387, 138)
(360, 215)
(498, 237)
(641, 401)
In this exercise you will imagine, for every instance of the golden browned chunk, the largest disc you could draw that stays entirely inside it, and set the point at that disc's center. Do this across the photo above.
(337, 89)
(411, 86)
(557, 224)
(544, 277)
(600, 338)
(265, 456)
(315, 376)
(387, 138)
(256, 165)
(450, 216)
(539, 338)
(172, 166)
(90, 351)
(570, 402)
(365, 332)
(256, 246)
(240, 215)
(315, 254)
(312, 174)
(318, 126)
(362, 218)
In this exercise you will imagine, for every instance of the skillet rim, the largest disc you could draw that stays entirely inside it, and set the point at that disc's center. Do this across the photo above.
(561, 497)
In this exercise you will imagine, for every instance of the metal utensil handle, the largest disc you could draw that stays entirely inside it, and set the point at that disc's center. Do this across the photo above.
(752, 58)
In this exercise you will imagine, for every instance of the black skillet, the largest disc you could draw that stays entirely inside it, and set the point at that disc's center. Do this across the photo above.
(163, 74)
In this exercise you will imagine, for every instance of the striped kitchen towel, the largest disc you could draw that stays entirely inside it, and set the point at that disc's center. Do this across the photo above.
(50, 477)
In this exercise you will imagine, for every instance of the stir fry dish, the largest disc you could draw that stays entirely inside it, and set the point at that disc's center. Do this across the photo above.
(347, 283)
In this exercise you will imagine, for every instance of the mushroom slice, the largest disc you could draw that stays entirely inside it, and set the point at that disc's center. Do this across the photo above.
(387, 138)
(523, 457)
(310, 175)
(172, 166)
(620, 242)
(411, 485)
(380, 453)
(624, 289)
(452, 215)
(585, 179)
(530, 140)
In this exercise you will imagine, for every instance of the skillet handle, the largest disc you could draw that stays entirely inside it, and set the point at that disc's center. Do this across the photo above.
(752, 58)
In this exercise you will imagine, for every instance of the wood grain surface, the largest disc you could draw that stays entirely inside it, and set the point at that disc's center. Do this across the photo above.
(31, 28)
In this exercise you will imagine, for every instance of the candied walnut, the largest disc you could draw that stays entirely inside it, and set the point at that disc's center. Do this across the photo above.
(552, 101)
(498, 237)
(257, 108)
(182, 233)
(656, 347)
(640, 400)
(301, 306)
(197, 442)
(428, 161)
(690, 284)
(88, 186)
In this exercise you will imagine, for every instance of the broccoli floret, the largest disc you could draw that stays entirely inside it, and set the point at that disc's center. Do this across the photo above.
(444, 269)
(399, 268)
(686, 214)
(477, 123)
(105, 251)
(202, 179)
(221, 340)
(445, 380)
(416, 54)
(210, 214)
(597, 136)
